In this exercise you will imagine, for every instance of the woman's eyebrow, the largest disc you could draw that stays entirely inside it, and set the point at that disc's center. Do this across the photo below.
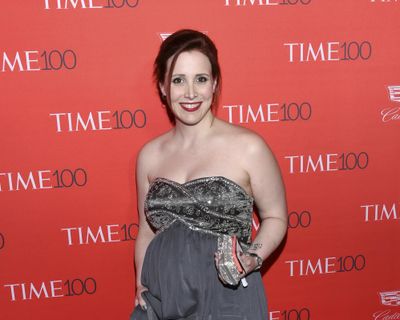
(183, 75)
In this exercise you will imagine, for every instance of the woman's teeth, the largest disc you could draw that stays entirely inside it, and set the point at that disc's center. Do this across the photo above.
(191, 106)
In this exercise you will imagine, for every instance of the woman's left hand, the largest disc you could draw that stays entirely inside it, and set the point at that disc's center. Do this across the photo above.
(249, 263)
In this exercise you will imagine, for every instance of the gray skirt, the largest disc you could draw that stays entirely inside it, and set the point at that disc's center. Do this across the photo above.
(180, 273)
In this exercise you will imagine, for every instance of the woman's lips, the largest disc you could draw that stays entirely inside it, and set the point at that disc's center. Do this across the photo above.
(190, 106)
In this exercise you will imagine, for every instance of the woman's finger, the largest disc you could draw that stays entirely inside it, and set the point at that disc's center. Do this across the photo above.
(216, 258)
(220, 278)
(140, 299)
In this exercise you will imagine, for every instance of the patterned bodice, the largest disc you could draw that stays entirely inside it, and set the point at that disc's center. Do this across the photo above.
(212, 204)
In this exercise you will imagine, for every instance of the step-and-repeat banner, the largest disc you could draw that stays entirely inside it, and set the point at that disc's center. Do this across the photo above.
(318, 79)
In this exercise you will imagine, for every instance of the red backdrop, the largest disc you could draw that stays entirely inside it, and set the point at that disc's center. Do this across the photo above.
(319, 80)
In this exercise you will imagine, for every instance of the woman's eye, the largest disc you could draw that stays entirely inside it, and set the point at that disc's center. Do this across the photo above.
(177, 80)
(202, 79)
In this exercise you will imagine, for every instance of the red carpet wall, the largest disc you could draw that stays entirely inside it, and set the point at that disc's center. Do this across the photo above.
(318, 79)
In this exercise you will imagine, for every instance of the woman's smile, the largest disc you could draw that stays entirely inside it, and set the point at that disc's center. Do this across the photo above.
(190, 106)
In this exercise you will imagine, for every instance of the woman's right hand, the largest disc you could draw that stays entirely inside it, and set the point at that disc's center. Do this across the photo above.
(139, 300)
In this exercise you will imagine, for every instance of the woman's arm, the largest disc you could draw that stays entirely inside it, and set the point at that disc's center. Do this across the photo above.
(145, 234)
(269, 194)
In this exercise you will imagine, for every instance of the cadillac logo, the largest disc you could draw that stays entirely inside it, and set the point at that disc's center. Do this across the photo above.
(394, 93)
(390, 298)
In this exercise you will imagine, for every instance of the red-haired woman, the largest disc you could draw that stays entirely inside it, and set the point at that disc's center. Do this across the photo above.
(197, 185)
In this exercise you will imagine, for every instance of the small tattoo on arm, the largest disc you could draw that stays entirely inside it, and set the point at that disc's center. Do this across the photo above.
(256, 246)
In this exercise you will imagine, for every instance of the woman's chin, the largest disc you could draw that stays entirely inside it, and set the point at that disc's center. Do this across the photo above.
(192, 118)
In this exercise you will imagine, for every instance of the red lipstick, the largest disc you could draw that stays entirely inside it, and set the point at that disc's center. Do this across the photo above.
(190, 106)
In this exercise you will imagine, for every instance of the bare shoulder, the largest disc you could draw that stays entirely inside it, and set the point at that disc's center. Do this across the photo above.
(245, 140)
(152, 147)
(149, 152)
(254, 143)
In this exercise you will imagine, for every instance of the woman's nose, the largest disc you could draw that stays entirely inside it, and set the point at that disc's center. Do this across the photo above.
(190, 91)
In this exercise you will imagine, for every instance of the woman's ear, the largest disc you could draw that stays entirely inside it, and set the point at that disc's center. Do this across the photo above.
(214, 85)
(162, 89)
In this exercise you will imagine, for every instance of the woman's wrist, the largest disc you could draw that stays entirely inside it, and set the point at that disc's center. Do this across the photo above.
(254, 252)
(259, 261)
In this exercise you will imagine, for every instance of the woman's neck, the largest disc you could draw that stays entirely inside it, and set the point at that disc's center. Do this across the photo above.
(191, 135)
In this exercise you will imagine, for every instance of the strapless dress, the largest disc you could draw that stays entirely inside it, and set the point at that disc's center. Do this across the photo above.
(178, 267)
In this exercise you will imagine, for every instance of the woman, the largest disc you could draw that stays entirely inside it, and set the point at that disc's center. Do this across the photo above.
(196, 182)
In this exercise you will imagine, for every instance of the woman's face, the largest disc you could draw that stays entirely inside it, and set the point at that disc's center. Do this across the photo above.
(192, 87)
